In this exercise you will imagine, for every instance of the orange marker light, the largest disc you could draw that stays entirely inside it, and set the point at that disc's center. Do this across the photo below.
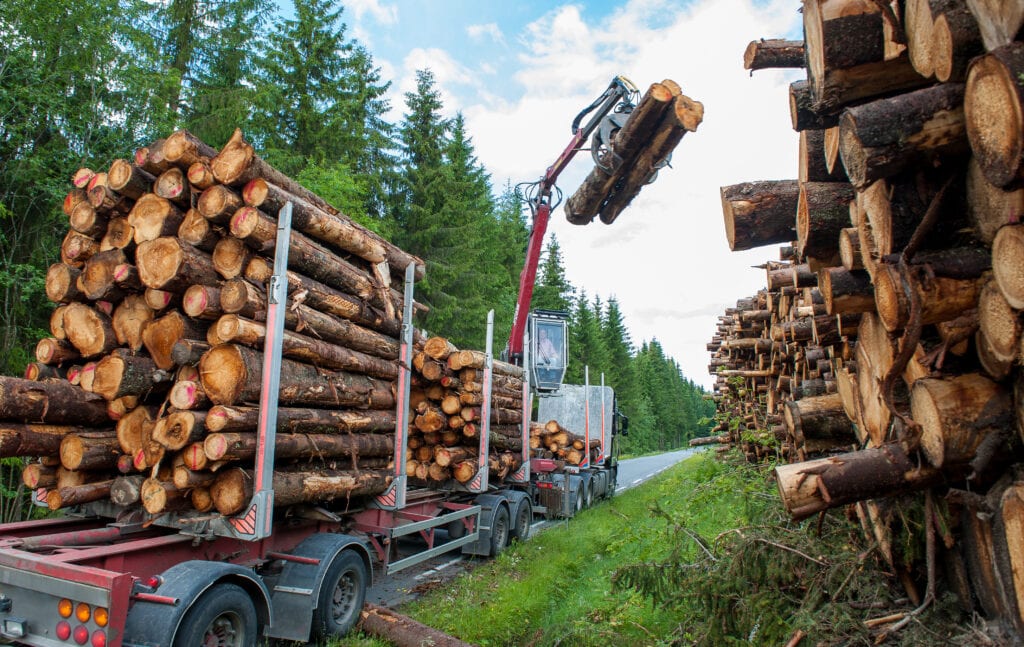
(83, 612)
(65, 607)
(101, 616)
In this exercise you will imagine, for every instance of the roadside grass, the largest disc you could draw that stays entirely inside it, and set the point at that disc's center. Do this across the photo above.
(700, 555)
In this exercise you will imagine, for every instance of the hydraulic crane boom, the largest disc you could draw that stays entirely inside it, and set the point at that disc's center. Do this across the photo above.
(615, 98)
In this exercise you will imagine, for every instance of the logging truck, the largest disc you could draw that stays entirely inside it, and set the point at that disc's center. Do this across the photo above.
(281, 553)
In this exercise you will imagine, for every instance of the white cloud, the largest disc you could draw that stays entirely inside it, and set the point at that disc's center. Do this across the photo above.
(383, 14)
(489, 30)
(448, 73)
(666, 257)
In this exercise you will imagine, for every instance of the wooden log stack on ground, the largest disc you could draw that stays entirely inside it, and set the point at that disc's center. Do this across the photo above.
(881, 363)
(146, 392)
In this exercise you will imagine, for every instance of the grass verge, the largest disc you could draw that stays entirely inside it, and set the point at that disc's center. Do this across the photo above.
(699, 555)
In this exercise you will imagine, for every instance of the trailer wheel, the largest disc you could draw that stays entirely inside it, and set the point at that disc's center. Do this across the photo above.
(578, 507)
(588, 497)
(341, 597)
(223, 616)
(499, 530)
(523, 520)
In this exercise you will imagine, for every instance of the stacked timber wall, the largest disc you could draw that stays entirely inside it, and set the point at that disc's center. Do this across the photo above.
(881, 363)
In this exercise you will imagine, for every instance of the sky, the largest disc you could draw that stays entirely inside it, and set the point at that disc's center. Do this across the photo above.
(519, 71)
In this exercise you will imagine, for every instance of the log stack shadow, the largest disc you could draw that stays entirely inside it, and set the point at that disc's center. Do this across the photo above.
(881, 363)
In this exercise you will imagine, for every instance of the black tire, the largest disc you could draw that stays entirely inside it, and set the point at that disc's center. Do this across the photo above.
(588, 497)
(499, 530)
(223, 616)
(522, 521)
(578, 507)
(342, 594)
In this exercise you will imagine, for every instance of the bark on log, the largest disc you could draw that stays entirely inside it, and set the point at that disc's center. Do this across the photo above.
(90, 331)
(89, 451)
(957, 415)
(218, 203)
(233, 488)
(122, 373)
(684, 116)
(160, 496)
(840, 88)
(173, 185)
(587, 201)
(197, 231)
(814, 165)
(202, 302)
(66, 497)
(57, 403)
(301, 420)
(179, 429)
(232, 328)
(128, 179)
(956, 39)
(185, 149)
(822, 212)
(802, 113)
(1000, 323)
(241, 446)
(812, 486)
(819, 418)
(77, 248)
(881, 138)
(317, 223)
(845, 291)
(401, 630)
(999, 22)
(992, 109)
(232, 374)
(62, 284)
(990, 207)
(760, 213)
(839, 35)
(774, 52)
(326, 299)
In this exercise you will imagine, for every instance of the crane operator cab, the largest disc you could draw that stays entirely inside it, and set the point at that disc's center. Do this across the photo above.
(548, 351)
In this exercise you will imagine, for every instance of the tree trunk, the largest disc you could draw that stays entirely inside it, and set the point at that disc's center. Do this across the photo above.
(948, 287)
(820, 418)
(297, 420)
(122, 373)
(990, 207)
(840, 34)
(62, 284)
(232, 374)
(242, 446)
(814, 165)
(846, 292)
(233, 488)
(881, 138)
(89, 451)
(160, 496)
(956, 39)
(37, 439)
(128, 179)
(66, 497)
(812, 486)
(775, 52)
(760, 213)
(55, 403)
(802, 113)
(402, 631)
(197, 231)
(841, 88)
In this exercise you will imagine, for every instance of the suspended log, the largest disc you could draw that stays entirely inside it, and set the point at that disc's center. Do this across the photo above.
(232, 374)
(760, 213)
(771, 53)
(992, 105)
(233, 488)
(881, 138)
(242, 446)
(587, 201)
(684, 116)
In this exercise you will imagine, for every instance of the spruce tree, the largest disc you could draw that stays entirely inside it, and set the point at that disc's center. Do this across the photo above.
(553, 290)
(620, 355)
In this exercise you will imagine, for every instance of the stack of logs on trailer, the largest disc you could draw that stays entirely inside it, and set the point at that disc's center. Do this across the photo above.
(146, 392)
(882, 361)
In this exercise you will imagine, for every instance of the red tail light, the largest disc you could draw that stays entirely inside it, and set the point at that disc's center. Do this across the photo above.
(81, 634)
(63, 630)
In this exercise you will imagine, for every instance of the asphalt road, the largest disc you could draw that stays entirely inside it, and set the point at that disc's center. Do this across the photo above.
(393, 590)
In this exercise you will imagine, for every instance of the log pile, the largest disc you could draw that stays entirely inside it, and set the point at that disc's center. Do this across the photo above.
(145, 393)
(552, 440)
(882, 361)
(634, 153)
(446, 423)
